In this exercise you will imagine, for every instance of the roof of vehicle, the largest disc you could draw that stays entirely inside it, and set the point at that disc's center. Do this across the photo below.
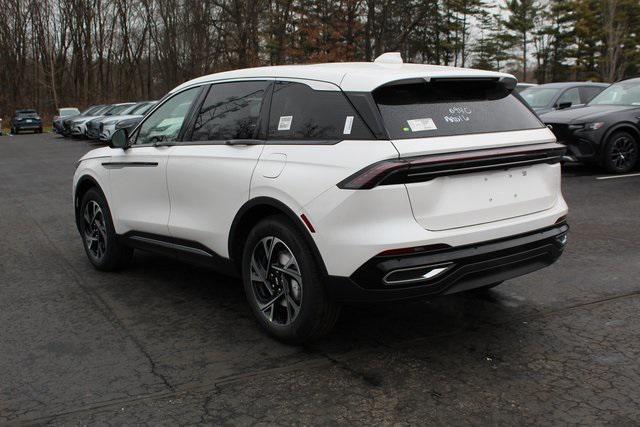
(350, 76)
(630, 79)
(562, 85)
(25, 111)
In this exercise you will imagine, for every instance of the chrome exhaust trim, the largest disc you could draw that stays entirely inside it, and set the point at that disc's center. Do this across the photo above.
(422, 273)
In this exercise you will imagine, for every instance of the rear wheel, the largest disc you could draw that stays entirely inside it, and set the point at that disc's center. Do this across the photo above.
(620, 154)
(98, 234)
(283, 283)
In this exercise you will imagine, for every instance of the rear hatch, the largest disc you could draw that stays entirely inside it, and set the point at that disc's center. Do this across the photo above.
(483, 155)
(27, 116)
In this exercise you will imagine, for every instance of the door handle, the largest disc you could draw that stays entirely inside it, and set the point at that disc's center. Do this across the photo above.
(244, 142)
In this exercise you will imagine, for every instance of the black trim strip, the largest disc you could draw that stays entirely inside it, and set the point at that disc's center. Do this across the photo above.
(120, 165)
(474, 265)
(171, 245)
(185, 250)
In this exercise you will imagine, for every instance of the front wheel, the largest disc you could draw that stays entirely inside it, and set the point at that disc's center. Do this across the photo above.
(620, 154)
(283, 283)
(98, 234)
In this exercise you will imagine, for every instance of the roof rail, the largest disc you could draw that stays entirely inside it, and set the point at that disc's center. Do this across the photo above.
(389, 58)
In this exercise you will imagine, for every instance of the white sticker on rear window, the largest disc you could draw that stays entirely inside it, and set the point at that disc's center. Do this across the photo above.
(285, 122)
(419, 125)
(348, 124)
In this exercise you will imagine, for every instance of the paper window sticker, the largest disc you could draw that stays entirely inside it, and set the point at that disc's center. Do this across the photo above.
(419, 125)
(285, 122)
(348, 124)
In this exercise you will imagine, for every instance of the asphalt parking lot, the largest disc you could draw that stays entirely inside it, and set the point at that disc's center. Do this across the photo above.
(165, 342)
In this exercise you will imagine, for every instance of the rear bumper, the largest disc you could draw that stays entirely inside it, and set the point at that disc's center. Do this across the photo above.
(28, 126)
(465, 268)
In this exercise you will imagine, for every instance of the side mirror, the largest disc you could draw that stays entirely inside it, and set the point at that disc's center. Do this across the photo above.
(564, 105)
(120, 139)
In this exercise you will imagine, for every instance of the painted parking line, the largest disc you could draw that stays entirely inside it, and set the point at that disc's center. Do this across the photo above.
(618, 176)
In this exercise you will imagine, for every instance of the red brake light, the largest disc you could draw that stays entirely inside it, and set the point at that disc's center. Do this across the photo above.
(371, 176)
(424, 168)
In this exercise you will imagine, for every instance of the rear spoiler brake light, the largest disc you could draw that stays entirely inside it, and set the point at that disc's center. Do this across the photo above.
(425, 168)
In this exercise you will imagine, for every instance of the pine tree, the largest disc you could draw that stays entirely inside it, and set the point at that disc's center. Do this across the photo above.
(520, 23)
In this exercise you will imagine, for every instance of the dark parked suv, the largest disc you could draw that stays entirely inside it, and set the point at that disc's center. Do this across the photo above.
(606, 131)
(558, 96)
(26, 120)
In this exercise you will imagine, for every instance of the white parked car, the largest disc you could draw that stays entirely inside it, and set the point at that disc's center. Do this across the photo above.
(79, 124)
(109, 124)
(332, 183)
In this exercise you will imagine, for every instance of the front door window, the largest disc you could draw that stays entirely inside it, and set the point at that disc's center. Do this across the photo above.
(165, 123)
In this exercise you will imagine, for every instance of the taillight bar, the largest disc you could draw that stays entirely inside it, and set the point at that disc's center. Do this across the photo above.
(425, 168)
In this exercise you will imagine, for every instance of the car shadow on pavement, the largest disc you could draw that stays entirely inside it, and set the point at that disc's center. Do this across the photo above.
(209, 297)
(580, 169)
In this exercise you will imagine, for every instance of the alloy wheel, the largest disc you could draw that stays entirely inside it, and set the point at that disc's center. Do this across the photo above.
(623, 152)
(276, 281)
(95, 229)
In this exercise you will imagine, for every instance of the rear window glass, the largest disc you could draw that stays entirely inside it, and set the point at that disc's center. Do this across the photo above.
(300, 113)
(68, 112)
(445, 108)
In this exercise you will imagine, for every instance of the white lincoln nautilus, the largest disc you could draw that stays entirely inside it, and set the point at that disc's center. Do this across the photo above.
(328, 184)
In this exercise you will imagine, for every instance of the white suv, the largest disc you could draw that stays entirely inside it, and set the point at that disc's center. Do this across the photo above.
(328, 184)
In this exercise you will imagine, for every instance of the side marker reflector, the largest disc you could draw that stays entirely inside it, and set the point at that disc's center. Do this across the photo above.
(307, 223)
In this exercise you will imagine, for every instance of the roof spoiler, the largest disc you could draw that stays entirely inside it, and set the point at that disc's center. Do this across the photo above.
(509, 83)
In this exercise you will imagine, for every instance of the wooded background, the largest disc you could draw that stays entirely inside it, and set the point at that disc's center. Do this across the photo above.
(57, 53)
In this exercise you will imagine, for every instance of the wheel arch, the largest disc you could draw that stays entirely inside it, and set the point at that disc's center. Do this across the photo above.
(624, 126)
(257, 209)
(85, 183)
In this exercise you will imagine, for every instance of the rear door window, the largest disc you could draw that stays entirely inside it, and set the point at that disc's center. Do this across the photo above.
(570, 95)
(230, 111)
(589, 92)
(451, 107)
(300, 113)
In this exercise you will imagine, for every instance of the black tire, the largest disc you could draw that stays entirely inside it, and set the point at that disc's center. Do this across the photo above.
(40, 130)
(114, 255)
(14, 131)
(620, 153)
(316, 314)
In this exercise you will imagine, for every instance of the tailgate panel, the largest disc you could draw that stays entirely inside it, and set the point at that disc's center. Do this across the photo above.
(477, 198)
